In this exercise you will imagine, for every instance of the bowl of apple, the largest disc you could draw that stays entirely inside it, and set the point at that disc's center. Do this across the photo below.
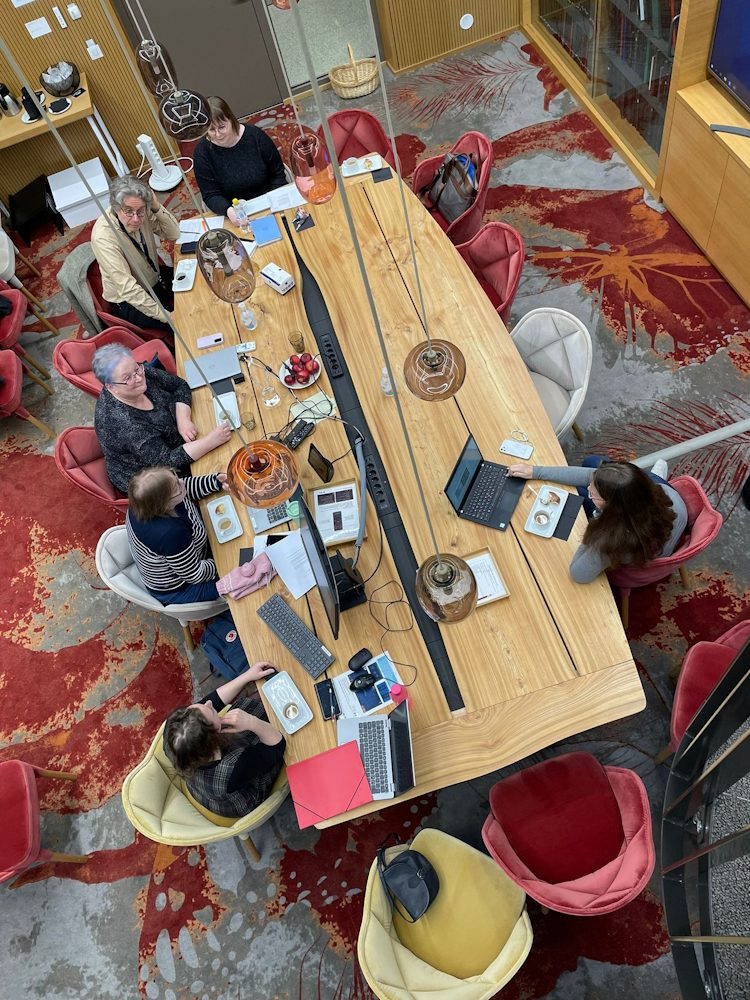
(299, 370)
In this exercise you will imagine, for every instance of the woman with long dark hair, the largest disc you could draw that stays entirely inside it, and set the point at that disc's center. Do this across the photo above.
(229, 762)
(637, 517)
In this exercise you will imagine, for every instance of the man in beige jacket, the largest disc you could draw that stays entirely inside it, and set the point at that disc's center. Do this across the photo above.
(127, 256)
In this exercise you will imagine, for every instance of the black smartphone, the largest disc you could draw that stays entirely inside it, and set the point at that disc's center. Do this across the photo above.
(329, 704)
(246, 556)
(238, 379)
(320, 464)
(186, 248)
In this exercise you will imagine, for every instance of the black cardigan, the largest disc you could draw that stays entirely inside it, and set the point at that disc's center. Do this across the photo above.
(250, 168)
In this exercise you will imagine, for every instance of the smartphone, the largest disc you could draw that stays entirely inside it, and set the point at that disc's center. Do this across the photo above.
(246, 556)
(320, 464)
(329, 704)
(185, 248)
(212, 340)
(517, 449)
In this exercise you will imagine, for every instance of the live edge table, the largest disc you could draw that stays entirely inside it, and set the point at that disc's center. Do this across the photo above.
(550, 660)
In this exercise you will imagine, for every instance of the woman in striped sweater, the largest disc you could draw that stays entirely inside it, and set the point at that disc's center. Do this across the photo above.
(167, 536)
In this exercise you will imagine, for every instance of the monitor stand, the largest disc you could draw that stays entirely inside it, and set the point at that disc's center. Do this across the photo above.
(349, 582)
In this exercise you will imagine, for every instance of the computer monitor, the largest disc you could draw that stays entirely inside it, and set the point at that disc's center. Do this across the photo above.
(320, 564)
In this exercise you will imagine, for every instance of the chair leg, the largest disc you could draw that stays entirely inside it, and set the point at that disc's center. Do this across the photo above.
(188, 638)
(685, 577)
(577, 431)
(44, 321)
(32, 298)
(65, 775)
(75, 859)
(35, 378)
(663, 754)
(252, 850)
(32, 361)
(625, 609)
(41, 425)
(25, 260)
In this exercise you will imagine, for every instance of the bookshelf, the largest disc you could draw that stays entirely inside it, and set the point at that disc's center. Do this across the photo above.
(622, 54)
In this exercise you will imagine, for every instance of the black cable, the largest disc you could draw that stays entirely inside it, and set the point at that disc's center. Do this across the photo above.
(386, 626)
(380, 555)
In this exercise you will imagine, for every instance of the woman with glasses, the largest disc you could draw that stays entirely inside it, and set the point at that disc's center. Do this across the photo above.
(234, 161)
(167, 536)
(124, 245)
(634, 516)
(143, 418)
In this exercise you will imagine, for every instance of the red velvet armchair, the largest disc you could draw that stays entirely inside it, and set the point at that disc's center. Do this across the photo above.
(467, 225)
(495, 256)
(574, 835)
(72, 358)
(94, 283)
(79, 459)
(356, 133)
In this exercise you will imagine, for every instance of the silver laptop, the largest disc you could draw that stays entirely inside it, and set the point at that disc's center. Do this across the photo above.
(216, 365)
(384, 743)
(263, 518)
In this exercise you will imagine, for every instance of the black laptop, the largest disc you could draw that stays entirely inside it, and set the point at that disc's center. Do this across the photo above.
(483, 491)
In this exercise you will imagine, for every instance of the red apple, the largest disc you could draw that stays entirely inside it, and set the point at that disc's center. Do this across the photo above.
(290, 379)
(303, 378)
(298, 367)
(310, 367)
(315, 366)
(294, 360)
(304, 358)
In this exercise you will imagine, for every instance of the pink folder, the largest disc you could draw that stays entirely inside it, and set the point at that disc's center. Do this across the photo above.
(328, 784)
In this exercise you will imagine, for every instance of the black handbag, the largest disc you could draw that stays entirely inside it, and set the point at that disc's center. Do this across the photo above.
(409, 881)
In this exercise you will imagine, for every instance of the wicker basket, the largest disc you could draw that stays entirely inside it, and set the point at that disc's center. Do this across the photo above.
(357, 78)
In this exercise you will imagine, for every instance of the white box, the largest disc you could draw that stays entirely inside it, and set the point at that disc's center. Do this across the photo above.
(277, 278)
(72, 197)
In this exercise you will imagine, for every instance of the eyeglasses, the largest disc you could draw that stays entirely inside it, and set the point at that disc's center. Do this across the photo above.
(132, 376)
(134, 213)
(216, 127)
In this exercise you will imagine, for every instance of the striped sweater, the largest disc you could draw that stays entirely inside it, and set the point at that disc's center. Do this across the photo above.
(170, 552)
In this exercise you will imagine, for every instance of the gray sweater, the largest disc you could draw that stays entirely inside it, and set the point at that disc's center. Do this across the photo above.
(588, 562)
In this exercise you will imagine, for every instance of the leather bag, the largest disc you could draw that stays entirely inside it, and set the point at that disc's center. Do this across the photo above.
(409, 881)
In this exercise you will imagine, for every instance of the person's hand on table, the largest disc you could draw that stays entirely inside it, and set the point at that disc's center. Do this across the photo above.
(260, 670)
(520, 470)
(186, 427)
(222, 477)
(232, 216)
(219, 435)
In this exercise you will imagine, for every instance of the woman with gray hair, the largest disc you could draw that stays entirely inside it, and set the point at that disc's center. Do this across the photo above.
(127, 255)
(143, 418)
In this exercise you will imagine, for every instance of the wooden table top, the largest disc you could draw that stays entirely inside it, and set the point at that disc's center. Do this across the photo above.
(550, 660)
(13, 130)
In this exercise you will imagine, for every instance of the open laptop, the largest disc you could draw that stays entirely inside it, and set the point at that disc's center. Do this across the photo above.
(384, 743)
(483, 491)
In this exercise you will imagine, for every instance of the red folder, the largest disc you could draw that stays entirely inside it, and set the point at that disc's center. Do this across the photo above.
(327, 784)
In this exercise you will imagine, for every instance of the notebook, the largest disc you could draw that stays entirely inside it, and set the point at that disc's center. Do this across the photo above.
(265, 230)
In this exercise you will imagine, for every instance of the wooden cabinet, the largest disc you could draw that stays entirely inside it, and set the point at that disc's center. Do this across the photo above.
(729, 243)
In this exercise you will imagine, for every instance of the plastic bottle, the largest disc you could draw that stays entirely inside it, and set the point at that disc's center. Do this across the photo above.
(247, 317)
(240, 214)
(385, 383)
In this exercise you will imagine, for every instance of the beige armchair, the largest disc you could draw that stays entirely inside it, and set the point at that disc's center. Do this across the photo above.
(556, 348)
(473, 939)
(159, 806)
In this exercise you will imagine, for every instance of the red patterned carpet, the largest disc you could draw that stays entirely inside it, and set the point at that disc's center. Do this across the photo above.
(87, 679)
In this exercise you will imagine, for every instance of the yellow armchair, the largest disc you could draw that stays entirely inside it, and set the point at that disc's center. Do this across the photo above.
(159, 805)
(472, 941)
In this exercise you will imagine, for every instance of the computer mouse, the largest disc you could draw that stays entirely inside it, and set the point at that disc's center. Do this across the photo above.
(362, 682)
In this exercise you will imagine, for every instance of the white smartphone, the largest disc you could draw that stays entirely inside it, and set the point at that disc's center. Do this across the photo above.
(211, 340)
(518, 449)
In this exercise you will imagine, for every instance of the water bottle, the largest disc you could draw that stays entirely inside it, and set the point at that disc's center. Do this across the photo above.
(240, 214)
(247, 317)
(385, 383)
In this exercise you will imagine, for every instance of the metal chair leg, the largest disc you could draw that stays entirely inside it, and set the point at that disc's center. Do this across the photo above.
(35, 378)
(31, 297)
(25, 260)
(685, 577)
(252, 850)
(44, 321)
(42, 426)
(65, 775)
(188, 638)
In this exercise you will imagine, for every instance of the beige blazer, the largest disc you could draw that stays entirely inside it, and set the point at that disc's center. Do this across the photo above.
(125, 272)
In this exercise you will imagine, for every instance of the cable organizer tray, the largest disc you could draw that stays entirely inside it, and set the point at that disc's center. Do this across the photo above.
(545, 513)
(288, 705)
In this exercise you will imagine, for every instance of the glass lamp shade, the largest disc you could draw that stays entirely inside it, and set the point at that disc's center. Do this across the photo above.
(225, 265)
(156, 68)
(312, 169)
(446, 588)
(435, 371)
(262, 474)
(282, 4)
(184, 114)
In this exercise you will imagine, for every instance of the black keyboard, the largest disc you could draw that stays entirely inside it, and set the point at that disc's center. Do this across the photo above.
(301, 642)
(372, 748)
(486, 491)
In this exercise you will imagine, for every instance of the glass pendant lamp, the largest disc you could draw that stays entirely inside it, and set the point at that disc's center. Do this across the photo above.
(225, 265)
(434, 369)
(156, 68)
(184, 114)
(262, 474)
(312, 169)
(446, 588)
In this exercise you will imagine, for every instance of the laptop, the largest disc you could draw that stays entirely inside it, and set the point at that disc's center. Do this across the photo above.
(384, 743)
(483, 491)
(216, 365)
(268, 517)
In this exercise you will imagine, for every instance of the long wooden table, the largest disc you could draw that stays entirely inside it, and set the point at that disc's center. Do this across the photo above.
(549, 661)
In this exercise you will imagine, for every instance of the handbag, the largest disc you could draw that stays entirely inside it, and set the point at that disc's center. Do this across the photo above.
(454, 186)
(409, 881)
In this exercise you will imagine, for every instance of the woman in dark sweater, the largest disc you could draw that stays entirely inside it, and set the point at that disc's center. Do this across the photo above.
(167, 536)
(143, 418)
(229, 762)
(234, 161)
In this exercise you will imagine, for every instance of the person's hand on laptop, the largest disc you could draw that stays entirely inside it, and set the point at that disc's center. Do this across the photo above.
(521, 470)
